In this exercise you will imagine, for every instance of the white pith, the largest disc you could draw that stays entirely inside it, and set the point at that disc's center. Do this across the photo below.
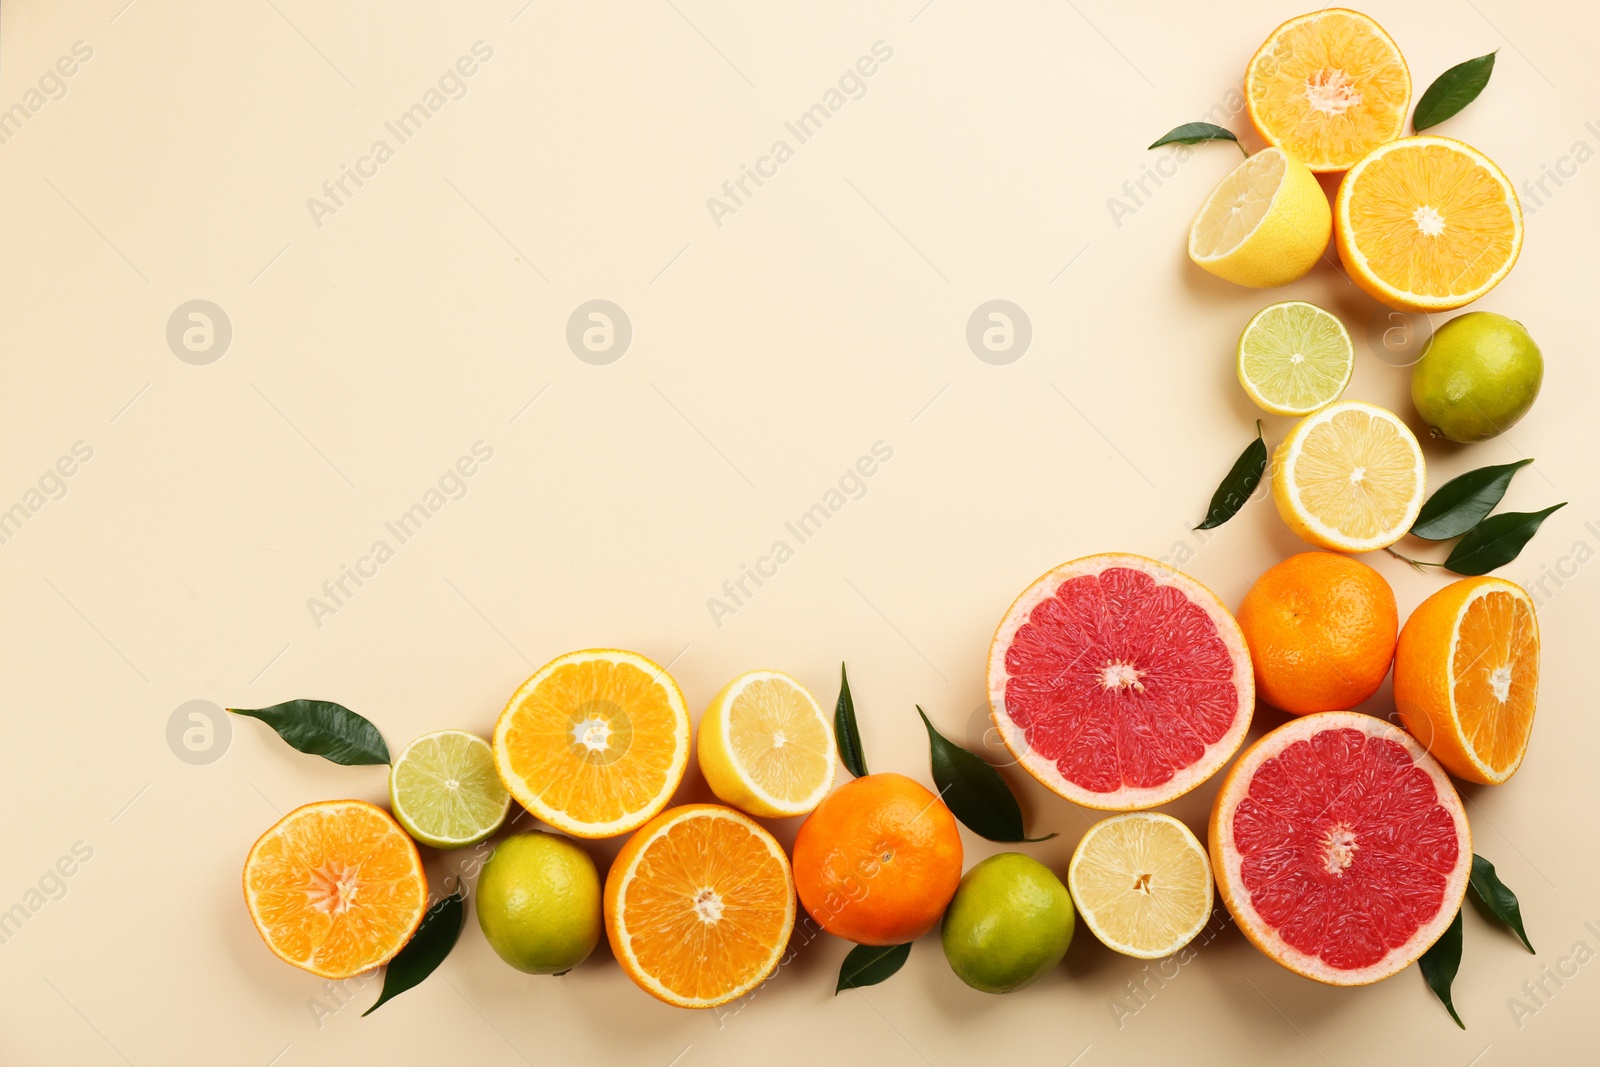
(1483, 589)
(1255, 163)
(529, 797)
(1330, 534)
(1254, 389)
(724, 711)
(334, 809)
(1428, 302)
(405, 815)
(1128, 798)
(624, 940)
(1227, 863)
(1162, 951)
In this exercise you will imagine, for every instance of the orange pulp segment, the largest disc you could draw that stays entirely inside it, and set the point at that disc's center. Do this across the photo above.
(335, 888)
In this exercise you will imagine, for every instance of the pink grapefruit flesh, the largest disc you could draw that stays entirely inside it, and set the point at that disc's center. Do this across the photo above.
(1120, 682)
(1340, 847)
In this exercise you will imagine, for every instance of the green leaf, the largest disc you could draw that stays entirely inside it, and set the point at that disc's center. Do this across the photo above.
(1241, 481)
(1464, 501)
(1440, 963)
(1195, 133)
(1452, 91)
(1495, 541)
(844, 729)
(1501, 901)
(974, 791)
(425, 951)
(325, 729)
(870, 964)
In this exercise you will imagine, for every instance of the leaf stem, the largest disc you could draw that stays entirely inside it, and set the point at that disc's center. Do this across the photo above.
(1417, 563)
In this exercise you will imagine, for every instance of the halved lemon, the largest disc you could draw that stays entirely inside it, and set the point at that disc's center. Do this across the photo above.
(1294, 358)
(443, 789)
(1266, 224)
(1427, 224)
(1142, 883)
(335, 888)
(766, 747)
(1350, 477)
(699, 905)
(1327, 87)
(595, 742)
(1466, 677)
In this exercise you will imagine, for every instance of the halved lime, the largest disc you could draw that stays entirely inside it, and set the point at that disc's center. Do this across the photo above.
(445, 791)
(1295, 358)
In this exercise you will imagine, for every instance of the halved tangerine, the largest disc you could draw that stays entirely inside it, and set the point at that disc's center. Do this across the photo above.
(1328, 87)
(1120, 682)
(699, 905)
(335, 888)
(1340, 847)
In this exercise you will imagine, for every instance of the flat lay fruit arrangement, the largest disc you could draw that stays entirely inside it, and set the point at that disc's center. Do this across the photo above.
(1337, 841)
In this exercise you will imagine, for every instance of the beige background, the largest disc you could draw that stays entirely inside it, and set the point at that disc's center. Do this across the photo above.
(826, 314)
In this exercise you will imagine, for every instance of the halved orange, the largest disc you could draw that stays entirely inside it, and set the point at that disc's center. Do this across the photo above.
(1427, 224)
(335, 888)
(1466, 677)
(699, 905)
(595, 742)
(1327, 88)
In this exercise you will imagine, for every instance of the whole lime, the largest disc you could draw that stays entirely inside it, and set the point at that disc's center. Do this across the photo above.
(1009, 924)
(539, 903)
(1479, 374)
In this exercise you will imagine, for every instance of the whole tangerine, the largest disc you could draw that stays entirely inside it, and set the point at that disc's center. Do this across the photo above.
(878, 860)
(1321, 629)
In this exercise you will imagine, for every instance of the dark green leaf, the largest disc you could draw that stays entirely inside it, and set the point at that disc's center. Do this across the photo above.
(870, 964)
(844, 729)
(1239, 484)
(1501, 901)
(1440, 963)
(1495, 541)
(325, 729)
(425, 951)
(1195, 133)
(974, 791)
(1464, 501)
(1452, 91)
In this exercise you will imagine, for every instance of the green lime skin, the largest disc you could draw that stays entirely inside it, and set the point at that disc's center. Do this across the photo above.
(539, 903)
(1009, 924)
(1479, 374)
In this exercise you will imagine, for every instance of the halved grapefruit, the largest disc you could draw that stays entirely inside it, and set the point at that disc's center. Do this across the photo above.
(1340, 847)
(1120, 682)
